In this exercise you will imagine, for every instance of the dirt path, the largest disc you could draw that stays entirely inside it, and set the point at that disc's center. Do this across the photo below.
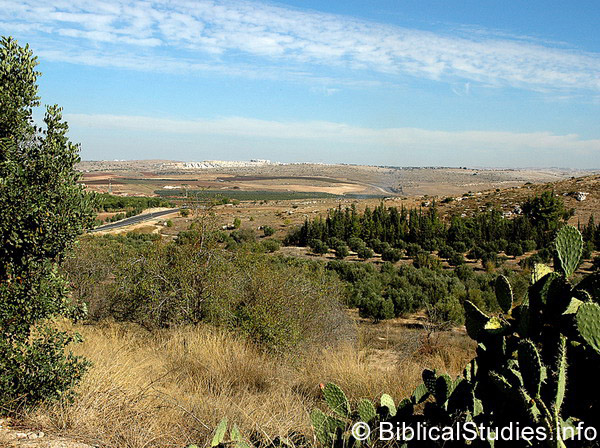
(12, 438)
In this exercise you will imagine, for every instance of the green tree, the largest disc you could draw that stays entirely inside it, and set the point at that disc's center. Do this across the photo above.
(341, 251)
(318, 247)
(364, 253)
(42, 211)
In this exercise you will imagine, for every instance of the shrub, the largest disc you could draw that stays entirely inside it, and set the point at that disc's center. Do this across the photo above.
(237, 222)
(376, 307)
(364, 253)
(318, 247)
(355, 243)
(529, 245)
(514, 249)
(456, 259)
(445, 251)
(392, 255)
(459, 246)
(425, 260)
(271, 245)
(413, 249)
(280, 304)
(243, 236)
(184, 212)
(268, 231)
(341, 251)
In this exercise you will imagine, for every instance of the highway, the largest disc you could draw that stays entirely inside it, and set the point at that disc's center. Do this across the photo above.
(133, 220)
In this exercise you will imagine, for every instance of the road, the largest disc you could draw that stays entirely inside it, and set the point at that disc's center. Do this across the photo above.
(134, 220)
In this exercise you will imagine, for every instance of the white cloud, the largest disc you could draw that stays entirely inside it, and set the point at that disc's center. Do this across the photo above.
(208, 33)
(388, 140)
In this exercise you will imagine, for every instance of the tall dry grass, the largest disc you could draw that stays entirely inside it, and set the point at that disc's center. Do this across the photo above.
(170, 388)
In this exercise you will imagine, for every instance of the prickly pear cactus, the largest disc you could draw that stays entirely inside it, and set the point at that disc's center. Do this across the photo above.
(320, 427)
(325, 426)
(588, 324)
(504, 294)
(539, 271)
(219, 435)
(420, 394)
(429, 379)
(336, 400)
(388, 402)
(475, 320)
(443, 388)
(366, 410)
(531, 367)
(568, 246)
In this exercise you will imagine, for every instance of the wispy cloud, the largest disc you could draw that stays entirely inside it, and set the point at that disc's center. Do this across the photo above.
(259, 39)
(544, 147)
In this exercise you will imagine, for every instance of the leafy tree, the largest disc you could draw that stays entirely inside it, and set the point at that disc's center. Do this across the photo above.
(355, 243)
(341, 251)
(42, 211)
(364, 252)
(514, 249)
(456, 259)
(392, 255)
(376, 307)
(318, 247)
(546, 212)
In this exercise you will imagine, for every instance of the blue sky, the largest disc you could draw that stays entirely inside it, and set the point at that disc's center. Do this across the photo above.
(404, 82)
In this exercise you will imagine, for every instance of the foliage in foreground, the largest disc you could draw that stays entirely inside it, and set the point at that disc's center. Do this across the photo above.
(42, 210)
(537, 365)
(280, 304)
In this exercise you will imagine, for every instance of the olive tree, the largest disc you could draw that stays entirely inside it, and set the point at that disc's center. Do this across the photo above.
(42, 211)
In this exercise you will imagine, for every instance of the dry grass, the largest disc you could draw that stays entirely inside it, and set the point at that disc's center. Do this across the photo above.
(170, 388)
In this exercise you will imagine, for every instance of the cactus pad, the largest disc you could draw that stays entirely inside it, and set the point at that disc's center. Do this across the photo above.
(591, 284)
(336, 400)
(219, 433)
(574, 305)
(531, 367)
(443, 388)
(561, 372)
(325, 426)
(540, 270)
(475, 320)
(318, 420)
(504, 294)
(366, 410)
(568, 245)
(470, 370)
(420, 394)
(495, 326)
(588, 324)
(388, 402)
(429, 379)
(500, 382)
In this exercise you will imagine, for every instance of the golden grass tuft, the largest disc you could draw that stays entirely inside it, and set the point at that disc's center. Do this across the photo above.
(170, 388)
